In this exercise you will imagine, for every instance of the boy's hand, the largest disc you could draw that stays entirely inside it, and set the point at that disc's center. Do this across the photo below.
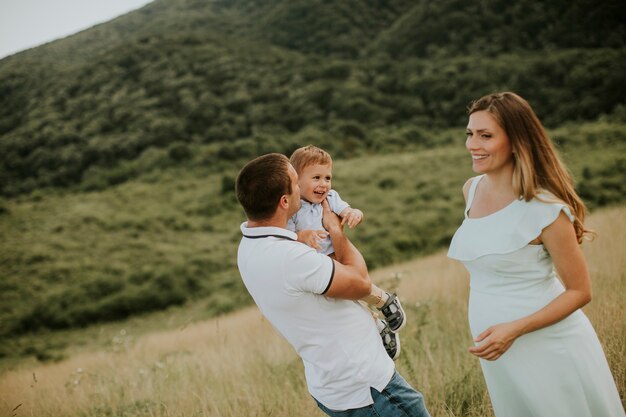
(312, 238)
(352, 217)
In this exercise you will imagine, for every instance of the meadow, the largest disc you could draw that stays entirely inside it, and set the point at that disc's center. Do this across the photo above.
(237, 365)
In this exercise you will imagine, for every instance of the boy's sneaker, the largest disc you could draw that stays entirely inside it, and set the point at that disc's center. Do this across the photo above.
(393, 312)
(391, 341)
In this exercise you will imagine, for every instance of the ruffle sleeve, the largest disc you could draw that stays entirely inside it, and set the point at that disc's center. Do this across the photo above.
(507, 230)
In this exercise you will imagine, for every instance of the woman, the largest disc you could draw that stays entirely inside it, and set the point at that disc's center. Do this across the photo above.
(523, 225)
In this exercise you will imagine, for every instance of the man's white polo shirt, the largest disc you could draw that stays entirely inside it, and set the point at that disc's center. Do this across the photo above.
(337, 339)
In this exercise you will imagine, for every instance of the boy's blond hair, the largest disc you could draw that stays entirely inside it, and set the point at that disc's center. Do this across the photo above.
(309, 155)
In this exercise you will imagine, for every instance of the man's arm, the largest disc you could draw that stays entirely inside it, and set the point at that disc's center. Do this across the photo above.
(351, 280)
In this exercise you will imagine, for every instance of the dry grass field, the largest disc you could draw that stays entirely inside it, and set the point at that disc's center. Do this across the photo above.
(237, 365)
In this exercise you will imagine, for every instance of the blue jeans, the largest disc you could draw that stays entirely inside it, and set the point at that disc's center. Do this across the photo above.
(398, 399)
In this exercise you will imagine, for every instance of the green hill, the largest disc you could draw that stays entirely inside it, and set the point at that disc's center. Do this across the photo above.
(119, 145)
(200, 82)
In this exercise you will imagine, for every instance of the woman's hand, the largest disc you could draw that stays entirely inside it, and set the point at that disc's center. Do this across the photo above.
(351, 216)
(496, 340)
(312, 238)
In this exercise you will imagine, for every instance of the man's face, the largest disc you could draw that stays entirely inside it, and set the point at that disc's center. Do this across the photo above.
(315, 182)
(294, 197)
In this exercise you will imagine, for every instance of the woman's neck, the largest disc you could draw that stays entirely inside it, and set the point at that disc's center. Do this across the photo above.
(501, 181)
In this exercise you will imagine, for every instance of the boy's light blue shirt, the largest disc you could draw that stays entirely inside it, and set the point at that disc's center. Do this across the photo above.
(309, 217)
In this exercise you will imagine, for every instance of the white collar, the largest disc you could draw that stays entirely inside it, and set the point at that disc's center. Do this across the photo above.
(267, 231)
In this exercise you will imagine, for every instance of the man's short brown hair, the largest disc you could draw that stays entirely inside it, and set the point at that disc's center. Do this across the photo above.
(261, 183)
(309, 155)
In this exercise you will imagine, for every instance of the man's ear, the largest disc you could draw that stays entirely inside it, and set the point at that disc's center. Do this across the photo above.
(284, 202)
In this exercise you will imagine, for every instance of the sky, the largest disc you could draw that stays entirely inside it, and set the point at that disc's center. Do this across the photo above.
(28, 23)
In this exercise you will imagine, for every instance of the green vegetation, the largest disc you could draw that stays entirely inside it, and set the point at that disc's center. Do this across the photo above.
(119, 146)
(171, 237)
(183, 83)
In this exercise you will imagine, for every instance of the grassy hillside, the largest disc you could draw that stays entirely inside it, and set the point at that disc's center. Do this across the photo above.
(169, 238)
(237, 364)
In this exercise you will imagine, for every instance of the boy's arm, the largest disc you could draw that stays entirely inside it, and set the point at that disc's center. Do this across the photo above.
(336, 204)
(351, 216)
(348, 215)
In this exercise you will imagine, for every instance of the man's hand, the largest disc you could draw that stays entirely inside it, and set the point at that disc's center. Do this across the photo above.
(312, 237)
(351, 216)
(330, 221)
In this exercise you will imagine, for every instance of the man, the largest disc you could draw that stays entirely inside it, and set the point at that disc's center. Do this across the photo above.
(308, 297)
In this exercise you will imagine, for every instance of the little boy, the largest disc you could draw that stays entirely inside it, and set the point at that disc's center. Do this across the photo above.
(314, 168)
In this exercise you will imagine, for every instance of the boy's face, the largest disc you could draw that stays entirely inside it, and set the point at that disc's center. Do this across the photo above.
(314, 181)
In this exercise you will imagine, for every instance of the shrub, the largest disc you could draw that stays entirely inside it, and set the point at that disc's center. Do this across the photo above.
(179, 152)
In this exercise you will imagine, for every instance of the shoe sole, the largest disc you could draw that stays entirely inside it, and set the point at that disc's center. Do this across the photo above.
(397, 348)
(403, 321)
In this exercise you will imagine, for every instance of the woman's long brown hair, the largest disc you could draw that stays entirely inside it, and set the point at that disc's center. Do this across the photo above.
(537, 166)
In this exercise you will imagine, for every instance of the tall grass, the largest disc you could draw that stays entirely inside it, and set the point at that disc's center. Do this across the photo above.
(237, 365)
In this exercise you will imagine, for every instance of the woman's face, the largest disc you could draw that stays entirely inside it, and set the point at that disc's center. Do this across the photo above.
(488, 144)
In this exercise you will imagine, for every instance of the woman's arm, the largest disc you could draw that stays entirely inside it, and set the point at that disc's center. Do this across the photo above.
(559, 239)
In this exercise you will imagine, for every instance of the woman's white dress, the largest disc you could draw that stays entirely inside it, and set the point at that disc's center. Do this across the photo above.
(559, 370)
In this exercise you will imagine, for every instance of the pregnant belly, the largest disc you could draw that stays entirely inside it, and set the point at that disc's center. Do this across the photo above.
(485, 310)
